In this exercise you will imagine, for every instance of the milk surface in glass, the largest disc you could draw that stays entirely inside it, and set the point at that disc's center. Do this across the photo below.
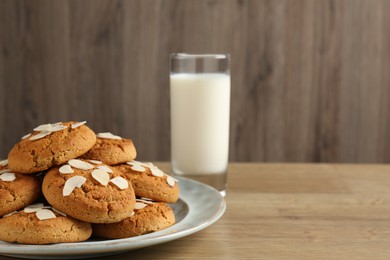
(200, 106)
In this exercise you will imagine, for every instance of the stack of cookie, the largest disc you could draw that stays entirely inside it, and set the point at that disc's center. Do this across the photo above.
(64, 183)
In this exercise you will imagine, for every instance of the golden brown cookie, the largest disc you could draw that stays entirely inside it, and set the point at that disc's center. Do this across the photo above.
(111, 149)
(50, 145)
(42, 225)
(16, 190)
(148, 217)
(150, 182)
(90, 192)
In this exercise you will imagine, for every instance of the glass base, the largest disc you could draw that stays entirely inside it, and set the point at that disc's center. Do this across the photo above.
(217, 181)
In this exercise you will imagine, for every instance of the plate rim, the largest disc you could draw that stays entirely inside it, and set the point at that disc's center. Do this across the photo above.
(116, 246)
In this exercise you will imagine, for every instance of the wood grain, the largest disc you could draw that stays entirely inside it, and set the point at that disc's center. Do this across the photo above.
(293, 211)
(309, 78)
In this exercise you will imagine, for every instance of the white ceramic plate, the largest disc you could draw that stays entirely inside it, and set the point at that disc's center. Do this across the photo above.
(199, 206)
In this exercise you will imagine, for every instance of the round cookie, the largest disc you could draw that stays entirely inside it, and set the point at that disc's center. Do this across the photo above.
(148, 217)
(89, 192)
(111, 149)
(50, 145)
(150, 182)
(16, 190)
(27, 227)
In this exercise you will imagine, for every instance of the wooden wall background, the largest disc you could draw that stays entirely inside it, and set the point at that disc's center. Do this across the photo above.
(310, 79)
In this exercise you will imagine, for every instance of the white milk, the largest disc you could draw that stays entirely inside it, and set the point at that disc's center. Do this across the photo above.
(200, 105)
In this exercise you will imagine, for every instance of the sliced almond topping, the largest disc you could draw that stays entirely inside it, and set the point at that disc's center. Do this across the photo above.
(141, 167)
(120, 182)
(171, 181)
(132, 214)
(9, 214)
(5, 170)
(4, 162)
(134, 163)
(65, 169)
(157, 172)
(75, 125)
(95, 161)
(108, 135)
(105, 168)
(40, 135)
(138, 168)
(145, 200)
(43, 214)
(58, 211)
(43, 128)
(140, 205)
(8, 176)
(58, 128)
(26, 136)
(101, 176)
(80, 164)
(72, 183)
(33, 207)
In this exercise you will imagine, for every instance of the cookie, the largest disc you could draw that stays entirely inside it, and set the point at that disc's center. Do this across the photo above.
(111, 149)
(90, 192)
(42, 225)
(150, 182)
(148, 217)
(16, 190)
(50, 145)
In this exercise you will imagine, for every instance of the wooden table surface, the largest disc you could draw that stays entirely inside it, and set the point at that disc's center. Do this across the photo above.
(292, 211)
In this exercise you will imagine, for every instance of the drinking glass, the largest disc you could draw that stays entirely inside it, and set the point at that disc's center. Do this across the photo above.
(200, 111)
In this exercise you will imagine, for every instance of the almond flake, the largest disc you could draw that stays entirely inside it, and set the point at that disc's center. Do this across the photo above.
(138, 168)
(72, 183)
(58, 128)
(132, 213)
(40, 135)
(140, 205)
(58, 211)
(80, 164)
(108, 135)
(135, 163)
(44, 214)
(105, 168)
(157, 172)
(176, 180)
(120, 182)
(26, 136)
(5, 170)
(4, 162)
(141, 167)
(10, 214)
(8, 176)
(65, 169)
(171, 181)
(33, 207)
(95, 161)
(145, 200)
(75, 125)
(43, 128)
(101, 176)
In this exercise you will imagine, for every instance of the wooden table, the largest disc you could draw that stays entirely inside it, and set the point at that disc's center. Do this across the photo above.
(293, 211)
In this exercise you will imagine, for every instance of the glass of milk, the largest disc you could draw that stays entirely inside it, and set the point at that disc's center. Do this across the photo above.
(200, 111)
